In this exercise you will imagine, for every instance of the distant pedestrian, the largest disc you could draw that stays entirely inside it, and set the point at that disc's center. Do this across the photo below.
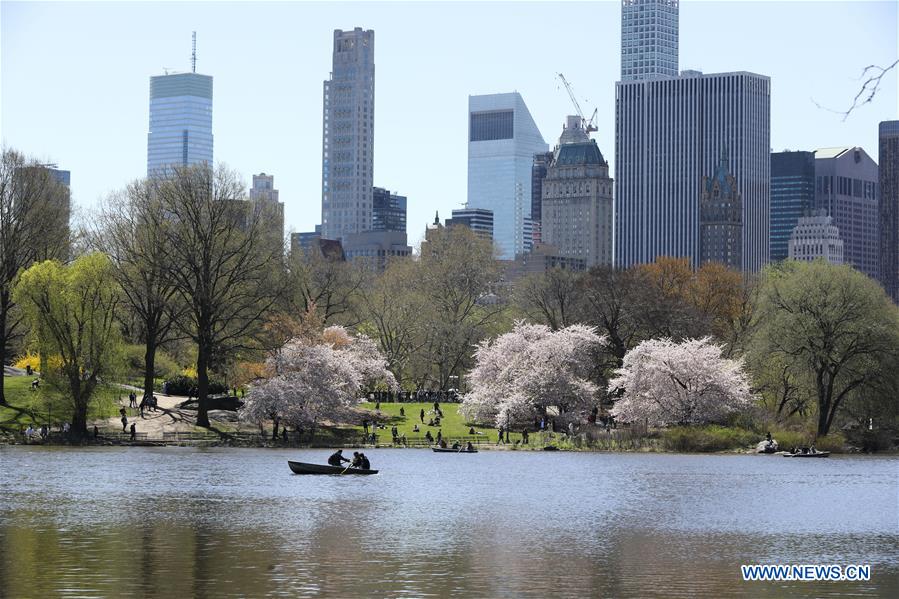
(28, 370)
(377, 405)
(124, 422)
(402, 413)
(133, 431)
(501, 435)
(439, 436)
(422, 415)
(96, 432)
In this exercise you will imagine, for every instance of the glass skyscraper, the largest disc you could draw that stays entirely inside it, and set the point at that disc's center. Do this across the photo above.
(180, 121)
(792, 197)
(502, 141)
(348, 135)
(649, 39)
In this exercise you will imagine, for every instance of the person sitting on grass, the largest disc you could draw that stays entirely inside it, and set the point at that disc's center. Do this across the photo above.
(415, 429)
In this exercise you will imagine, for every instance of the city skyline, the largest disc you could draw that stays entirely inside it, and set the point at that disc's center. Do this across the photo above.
(56, 118)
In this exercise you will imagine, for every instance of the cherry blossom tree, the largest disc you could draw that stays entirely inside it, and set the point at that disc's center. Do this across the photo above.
(666, 383)
(521, 373)
(315, 378)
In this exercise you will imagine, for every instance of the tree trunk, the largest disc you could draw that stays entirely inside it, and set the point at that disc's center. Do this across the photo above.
(149, 364)
(79, 415)
(2, 357)
(202, 385)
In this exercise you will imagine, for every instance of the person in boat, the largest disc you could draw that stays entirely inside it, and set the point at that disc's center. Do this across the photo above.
(812, 449)
(456, 445)
(442, 443)
(363, 462)
(440, 438)
(469, 447)
(337, 458)
(357, 460)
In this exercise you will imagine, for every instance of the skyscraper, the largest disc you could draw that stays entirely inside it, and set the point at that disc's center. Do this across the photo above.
(816, 237)
(577, 198)
(538, 172)
(348, 134)
(721, 218)
(502, 141)
(480, 221)
(672, 132)
(180, 121)
(265, 198)
(888, 207)
(388, 210)
(845, 188)
(792, 196)
(649, 39)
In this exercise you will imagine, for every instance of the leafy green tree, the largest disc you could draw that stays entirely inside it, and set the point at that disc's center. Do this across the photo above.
(77, 306)
(832, 324)
(34, 219)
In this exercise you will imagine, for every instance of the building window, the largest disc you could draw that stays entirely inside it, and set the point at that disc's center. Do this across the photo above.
(487, 126)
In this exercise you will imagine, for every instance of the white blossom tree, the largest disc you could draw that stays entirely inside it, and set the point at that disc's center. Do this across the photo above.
(665, 383)
(315, 379)
(521, 373)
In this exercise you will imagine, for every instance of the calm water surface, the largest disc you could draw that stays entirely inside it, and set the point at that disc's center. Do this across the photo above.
(181, 522)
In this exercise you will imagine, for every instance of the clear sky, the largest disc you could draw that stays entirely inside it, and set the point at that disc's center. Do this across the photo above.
(74, 80)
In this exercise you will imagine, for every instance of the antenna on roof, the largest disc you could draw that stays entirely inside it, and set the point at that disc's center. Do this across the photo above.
(193, 53)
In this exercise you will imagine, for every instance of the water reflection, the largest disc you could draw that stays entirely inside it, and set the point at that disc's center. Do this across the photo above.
(176, 522)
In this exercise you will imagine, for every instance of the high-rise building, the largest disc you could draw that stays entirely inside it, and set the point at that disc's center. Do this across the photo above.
(816, 237)
(265, 197)
(792, 196)
(502, 141)
(649, 39)
(376, 247)
(180, 121)
(721, 218)
(538, 172)
(669, 134)
(846, 182)
(305, 240)
(888, 207)
(479, 220)
(348, 135)
(577, 198)
(388, 211)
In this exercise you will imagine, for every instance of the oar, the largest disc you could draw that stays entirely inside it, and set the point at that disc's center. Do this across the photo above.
(347, 467)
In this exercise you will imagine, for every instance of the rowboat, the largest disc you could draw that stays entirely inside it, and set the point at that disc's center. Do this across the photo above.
(450, 450)
(304, 468)
(817, 454)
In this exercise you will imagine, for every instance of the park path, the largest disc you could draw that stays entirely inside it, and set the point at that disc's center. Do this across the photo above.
(168, 417)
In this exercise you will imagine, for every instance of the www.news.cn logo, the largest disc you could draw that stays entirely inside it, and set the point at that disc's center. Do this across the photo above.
(809, 572)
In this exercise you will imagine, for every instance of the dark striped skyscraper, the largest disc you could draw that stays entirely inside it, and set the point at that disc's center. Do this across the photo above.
(670, 134)
(888, 207)
(792, 197)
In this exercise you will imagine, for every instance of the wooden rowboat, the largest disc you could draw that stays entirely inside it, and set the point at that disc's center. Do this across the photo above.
(451, 450)
(817, 454)
(304, 468)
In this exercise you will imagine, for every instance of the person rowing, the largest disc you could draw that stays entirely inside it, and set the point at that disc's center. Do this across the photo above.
(357, 460)
(337, 458)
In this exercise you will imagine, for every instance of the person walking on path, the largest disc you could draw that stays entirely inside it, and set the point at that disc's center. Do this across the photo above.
(422, 415)
(124, 419)
(133, 431)
(500, 435)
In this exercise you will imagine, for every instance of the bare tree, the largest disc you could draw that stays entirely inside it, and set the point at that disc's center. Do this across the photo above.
(871, 78)
(125, 232)
(328, 283)
(549, 297)
(223, 264)
(34, 220)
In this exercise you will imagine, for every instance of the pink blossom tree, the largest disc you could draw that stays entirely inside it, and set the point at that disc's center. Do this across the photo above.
(316, 379)
(521, 373)
(665, 383)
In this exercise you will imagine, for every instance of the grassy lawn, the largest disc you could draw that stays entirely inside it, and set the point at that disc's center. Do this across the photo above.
(452, 424)
(33, 407)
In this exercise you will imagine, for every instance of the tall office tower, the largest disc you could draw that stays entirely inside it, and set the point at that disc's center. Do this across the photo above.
(577, 198)
(388, 211)
(478, 220)
(265, 198)
(888, 207)
(180, 119)
(502, 141)
(669, 134)
(538, 172)
(792, 196)
(846, 181)
(721, 219)
(649, 39)
(816, 237)
(348, 135)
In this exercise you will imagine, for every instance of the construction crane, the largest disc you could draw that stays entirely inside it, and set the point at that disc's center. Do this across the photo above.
(589, 126)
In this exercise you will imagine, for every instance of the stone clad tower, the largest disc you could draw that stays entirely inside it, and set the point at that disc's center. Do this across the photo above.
(721, 218)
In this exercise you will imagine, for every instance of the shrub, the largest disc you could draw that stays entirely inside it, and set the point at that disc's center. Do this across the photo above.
(707, 438)
(185, 385)
(834, 442)
(29, 359)
(786, 440)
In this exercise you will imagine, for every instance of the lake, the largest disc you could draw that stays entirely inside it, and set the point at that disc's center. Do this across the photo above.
(188, 522)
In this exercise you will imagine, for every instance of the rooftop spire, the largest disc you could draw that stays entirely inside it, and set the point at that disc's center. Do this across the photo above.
(193, 53)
